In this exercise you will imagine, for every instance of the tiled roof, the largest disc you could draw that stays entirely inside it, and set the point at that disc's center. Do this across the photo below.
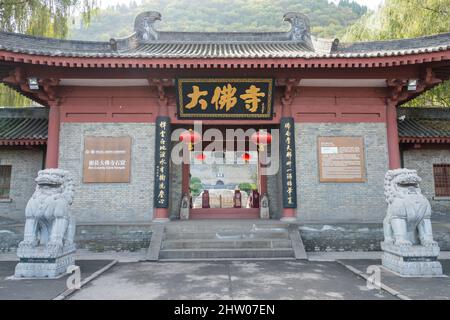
(147, 42)
(424, 124)
(23, 125)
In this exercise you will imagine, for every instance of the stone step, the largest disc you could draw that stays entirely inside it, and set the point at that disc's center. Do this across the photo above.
(211, 254)
(229, 235)
(226, 244)
(225, 226)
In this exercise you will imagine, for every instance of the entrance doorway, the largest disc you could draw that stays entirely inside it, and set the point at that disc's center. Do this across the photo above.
(230, 172)
(225, 183)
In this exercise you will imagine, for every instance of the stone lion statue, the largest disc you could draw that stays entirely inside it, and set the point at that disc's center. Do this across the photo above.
(48, 221)
(407, 221)
(144, 25)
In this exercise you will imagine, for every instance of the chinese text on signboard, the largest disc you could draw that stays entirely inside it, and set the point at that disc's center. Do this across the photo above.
(106, 159)
(341, 159)
(162, 157)
(287, 150)
(225, 98)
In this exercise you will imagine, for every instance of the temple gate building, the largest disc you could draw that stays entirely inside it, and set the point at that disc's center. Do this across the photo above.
(113, 107)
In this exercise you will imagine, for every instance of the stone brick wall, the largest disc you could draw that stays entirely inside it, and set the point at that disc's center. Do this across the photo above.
(275, 200)
(25, 166)
(341, 202)
(111, 202)
(175, 190)
(422, 160)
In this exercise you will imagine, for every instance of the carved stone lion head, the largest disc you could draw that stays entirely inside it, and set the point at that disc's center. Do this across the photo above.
(55, 181)
(400, 183)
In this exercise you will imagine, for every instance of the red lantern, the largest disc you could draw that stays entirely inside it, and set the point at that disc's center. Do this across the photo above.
(261, 138)
(246, 157)
(190, 137)
(200, 156)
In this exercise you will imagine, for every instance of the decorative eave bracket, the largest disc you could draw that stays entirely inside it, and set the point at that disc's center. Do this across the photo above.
(47, 87)
(399, 87)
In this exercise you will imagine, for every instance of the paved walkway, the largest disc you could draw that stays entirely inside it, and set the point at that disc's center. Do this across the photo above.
(42, 289)
(320, 278)
(282, 280)
(437, 288)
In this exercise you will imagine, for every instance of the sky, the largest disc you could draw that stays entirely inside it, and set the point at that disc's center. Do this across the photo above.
(371, 4)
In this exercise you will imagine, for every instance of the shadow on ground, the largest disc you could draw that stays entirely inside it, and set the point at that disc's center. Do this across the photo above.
(283, 280)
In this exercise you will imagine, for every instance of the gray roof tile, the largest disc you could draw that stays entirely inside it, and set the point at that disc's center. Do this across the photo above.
(23, 124)
(424, 122)
(147, 42)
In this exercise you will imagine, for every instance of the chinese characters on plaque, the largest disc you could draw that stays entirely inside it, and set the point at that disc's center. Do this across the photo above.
(106, 159)
(341, 159)
(162, 157)
(225, 98)
(287, 151)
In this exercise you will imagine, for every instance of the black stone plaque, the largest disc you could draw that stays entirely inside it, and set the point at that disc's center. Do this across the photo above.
(288, 164)
(162, 158)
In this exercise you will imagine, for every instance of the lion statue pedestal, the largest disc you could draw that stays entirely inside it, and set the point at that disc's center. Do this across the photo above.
(408, 246)
(48, 246)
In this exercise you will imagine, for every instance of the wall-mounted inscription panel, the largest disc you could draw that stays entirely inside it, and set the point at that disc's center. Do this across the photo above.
(106, 159)
(341, 159)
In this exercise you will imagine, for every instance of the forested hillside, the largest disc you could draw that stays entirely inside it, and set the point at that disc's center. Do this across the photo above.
(327, 19)
(399, 19)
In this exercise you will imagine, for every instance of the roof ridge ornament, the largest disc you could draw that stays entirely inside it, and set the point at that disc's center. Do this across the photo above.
(300, 27)
(144, 25)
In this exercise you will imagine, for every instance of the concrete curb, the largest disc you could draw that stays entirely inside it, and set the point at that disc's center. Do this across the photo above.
(85, 281)
(384, 287)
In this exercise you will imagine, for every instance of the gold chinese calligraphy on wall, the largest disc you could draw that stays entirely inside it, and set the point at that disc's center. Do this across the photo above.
(225, 98)
(341, 159)
(106, 159)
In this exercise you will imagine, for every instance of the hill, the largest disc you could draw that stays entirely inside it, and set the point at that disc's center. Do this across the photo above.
(327, 19)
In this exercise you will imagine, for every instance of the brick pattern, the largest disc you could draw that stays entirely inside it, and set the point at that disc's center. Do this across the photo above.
(422, 160)
(275, 200)
(341, 202)
(25, 166)
(175, 190)
(111, 202)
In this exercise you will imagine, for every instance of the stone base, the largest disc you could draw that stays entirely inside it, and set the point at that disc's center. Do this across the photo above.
(37, 264)
(411, 261)
(264, 213)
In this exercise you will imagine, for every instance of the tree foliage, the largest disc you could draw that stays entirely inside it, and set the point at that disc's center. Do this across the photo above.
(195, 186)
(50, 18)
(399, 19)
(327, 19)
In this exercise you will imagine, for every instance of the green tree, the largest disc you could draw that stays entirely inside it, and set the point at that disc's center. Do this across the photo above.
(399, 19)
(327, 19)
(195, 186)
(247, 187)
(48, 18)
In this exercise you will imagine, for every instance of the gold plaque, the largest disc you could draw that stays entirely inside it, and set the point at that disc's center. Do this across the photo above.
(106, 159)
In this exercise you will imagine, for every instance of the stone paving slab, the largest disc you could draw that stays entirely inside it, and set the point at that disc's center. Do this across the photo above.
(415, 288)
(40, 289)
(229, 280)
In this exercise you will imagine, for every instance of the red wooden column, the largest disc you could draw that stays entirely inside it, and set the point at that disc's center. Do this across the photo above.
(185, 168)
(392, 135)
(262, 177)
(51, 160)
